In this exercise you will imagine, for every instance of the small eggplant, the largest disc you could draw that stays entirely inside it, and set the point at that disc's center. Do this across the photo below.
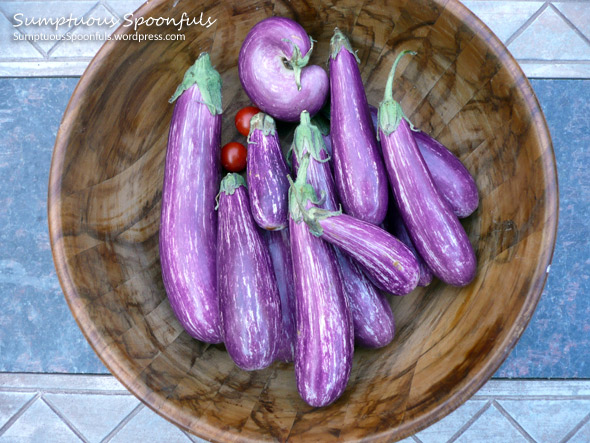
(434, 229)
(273, 70)
(249, 299)
(267, 174)
(373, 320)
(359, 172)
(325, 336)
(280, 253)
(188, 224)
(450, 176)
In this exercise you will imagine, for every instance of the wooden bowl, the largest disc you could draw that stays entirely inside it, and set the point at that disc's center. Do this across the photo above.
(463, 87)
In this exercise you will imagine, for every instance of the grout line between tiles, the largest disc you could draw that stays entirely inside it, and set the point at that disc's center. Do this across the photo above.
(514, 423)
(526, 24)
(469, 422)
(64, 419)
(576, 428)
(18, 414)
(416, 439)
(122, 423)
(58, 43)
(569, 23)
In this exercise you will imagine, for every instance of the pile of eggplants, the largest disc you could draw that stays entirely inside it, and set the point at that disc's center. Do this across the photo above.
(296, 260)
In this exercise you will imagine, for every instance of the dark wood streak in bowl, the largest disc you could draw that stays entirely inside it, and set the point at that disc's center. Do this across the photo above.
(104, 203)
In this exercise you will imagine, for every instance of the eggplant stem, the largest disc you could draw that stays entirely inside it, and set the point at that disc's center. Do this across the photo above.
(340, 41)
(297, 62)
(262, 122)
(389, 85)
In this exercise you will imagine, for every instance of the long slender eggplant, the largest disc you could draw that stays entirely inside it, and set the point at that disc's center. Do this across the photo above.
(451, 178)
(373, 320)
(395, 225)
(434, 229)
(280, 253)
(249, 299)
(325, 337)
(389, 263)
(188, 224)
(267, 174)
(359, 172)
(273, 70)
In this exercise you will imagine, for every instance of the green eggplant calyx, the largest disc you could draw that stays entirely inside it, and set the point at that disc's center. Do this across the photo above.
(297, 62)
(262, 122)
(338, 42)
(207, 79)
(229, 184)
(308, 140)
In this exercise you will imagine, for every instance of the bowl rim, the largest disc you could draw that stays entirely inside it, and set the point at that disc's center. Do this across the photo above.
(465, 390)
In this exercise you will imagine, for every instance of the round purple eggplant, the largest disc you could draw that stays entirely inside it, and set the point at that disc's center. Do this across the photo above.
(450, 176)
(273, 70)
(280, 253)
(188, 224)
(371, 313)
(325, 333)
(267, 174)
(359, 172)
(434, 229)
(249, 299)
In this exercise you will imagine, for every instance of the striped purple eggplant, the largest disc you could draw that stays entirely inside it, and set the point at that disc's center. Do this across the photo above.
(249, 299)
(188, 224)
(273, 70)
(267, 174)
(452, 179)
(359, 172)
(395, 225)
(434, 229)
(325, 335)
(389, 263)
(280, 253)
(371, 313)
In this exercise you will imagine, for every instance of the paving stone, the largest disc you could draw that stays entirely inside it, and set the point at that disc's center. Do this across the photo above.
(583, 434)
(95, 416)
(503, 17)
(444, 429)
(15, 49)
(549, 37)
(123, 7)
(491, 427)
(578, 14)
(10, 404)
(547, 421)
(46, 9)
(147, 426)
(39, 424)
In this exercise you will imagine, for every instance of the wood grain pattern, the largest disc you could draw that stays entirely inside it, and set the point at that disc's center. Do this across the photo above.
(104, 204)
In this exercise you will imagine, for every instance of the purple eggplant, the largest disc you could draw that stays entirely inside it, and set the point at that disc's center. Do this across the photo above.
(188, 224)
(395, 225)
(273, 70)
(280, 253)
(359, 172)
(450, 176)
(267, 174)
(434, 229)
(249, 299)
(373, 320)
(389, 263)
(325, 337)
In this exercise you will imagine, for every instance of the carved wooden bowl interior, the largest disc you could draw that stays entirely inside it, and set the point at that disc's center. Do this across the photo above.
(463, 87)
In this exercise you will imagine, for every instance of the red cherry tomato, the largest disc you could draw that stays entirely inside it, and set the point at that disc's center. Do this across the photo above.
(243, 118)
(233, 157)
